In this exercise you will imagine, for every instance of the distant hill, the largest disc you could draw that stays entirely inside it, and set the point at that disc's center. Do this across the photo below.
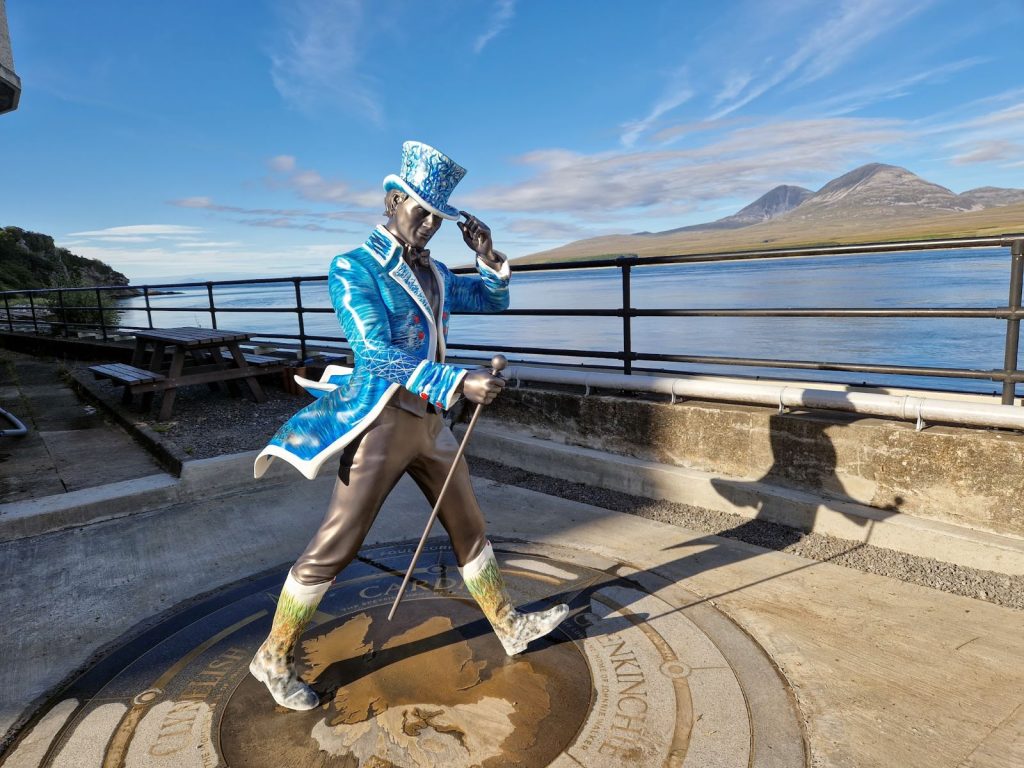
(870, 203)
(31, 260)
(987, 197)
(778, 201)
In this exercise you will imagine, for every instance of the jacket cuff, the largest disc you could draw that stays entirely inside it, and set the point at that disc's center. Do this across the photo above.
(502, 274)
(436, 383)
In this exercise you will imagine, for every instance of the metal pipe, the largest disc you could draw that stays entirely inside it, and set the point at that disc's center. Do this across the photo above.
(99, 310)
(302, 319)
(63, 313)
(1013, 324)
(627, 331)
(19, 427)
(921, 409)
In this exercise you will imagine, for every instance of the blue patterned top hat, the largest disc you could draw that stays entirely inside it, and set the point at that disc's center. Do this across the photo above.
(428, 176)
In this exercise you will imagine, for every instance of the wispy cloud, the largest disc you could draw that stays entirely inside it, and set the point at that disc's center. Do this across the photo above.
(743, 163)
(135, 232)
(504, 10)
(179, 261)
(985, 131)
(993, 151)
(827, 48)
(363, 207)
(857, 99)
(311, 185)
(316, 60)
(677, 93)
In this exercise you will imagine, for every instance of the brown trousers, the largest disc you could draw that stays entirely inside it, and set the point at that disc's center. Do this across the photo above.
(398, 441)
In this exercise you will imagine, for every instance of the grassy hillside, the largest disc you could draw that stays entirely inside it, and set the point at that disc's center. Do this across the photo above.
(784, 233)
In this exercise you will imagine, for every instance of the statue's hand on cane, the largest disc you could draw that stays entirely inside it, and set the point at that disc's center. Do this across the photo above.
(482, 386)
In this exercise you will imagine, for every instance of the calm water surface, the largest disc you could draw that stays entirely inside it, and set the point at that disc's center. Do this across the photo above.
(959, 278)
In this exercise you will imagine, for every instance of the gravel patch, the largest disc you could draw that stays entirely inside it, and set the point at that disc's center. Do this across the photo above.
(205, 423)
(992, 587)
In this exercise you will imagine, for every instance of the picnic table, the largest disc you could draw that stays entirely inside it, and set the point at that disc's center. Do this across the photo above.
(214, 357)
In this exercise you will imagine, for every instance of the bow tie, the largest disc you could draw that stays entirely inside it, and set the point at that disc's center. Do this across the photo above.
(417, 257)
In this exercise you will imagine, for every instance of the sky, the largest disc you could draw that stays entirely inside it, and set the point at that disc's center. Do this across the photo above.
(208, 140)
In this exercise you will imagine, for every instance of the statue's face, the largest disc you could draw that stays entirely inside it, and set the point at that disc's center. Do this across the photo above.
(413, 223)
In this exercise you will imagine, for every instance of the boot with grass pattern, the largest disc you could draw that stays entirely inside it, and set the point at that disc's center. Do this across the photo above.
(274, 663)
(515, 630)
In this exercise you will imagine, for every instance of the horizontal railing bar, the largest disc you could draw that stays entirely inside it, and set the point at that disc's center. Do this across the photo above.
(552, 312)
(994, 241)
(907, 370)
(1001, 313)
(540, 351)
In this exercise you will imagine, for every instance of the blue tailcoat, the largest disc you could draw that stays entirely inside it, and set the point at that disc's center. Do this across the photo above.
(387, 320)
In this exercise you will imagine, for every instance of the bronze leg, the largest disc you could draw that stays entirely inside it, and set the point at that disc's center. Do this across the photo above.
(460, 513)
(369, 468)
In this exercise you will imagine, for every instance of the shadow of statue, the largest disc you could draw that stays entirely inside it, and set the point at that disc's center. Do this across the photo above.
(804, 460)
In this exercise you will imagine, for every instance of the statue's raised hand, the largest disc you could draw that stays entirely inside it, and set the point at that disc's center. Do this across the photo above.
(478, 237)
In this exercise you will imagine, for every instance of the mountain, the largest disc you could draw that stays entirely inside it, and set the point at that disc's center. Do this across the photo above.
(874, 202)
(878, 190)
(778, 201)
(988, 197)
(31, 260)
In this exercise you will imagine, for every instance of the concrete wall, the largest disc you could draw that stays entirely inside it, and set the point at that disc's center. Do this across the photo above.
(968, 477)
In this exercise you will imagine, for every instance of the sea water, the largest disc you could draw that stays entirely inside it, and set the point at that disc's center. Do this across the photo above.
(953, 278)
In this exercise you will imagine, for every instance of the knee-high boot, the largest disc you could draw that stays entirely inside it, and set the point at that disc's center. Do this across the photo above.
(274, 663)
(515, 630)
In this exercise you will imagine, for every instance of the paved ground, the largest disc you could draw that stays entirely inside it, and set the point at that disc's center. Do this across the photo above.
(69, 445)
(881, 673)
(747, 656)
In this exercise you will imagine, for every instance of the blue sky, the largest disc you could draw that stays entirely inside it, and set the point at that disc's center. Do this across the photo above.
(229, 138)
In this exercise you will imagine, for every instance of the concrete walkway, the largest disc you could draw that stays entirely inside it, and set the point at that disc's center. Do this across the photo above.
(69, 445)
(882, 673)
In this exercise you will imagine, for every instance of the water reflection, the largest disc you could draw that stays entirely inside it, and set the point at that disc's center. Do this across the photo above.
(959, 278)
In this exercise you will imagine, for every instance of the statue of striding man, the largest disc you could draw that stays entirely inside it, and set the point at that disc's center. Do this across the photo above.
(382, 417)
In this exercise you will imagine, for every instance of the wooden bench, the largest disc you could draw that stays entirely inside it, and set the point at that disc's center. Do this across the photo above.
(257, 361)
(131, 377)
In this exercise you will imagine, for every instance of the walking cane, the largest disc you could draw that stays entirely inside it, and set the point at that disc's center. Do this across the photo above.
(498, 363)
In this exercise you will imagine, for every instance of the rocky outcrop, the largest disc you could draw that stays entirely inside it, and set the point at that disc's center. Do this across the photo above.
(32, 260)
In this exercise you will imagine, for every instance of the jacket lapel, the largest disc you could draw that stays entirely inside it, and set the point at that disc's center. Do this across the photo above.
(385, 248)
(442, 342)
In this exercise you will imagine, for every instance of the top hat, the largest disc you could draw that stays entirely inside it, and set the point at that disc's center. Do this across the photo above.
(428, 176)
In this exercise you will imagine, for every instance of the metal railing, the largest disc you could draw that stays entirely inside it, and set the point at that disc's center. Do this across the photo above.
(1008, 375)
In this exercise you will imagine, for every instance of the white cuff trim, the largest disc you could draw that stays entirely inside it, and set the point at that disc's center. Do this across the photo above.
(307, 593)
(504, 273)
(473, 568)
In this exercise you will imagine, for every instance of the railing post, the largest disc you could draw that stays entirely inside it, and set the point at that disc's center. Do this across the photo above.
(63, 311)
(1013, 324)
(149, 309)
(10, 318)
(302, 320)
(99, 309)
(625, 262)
(32, 306)
(213, 309)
